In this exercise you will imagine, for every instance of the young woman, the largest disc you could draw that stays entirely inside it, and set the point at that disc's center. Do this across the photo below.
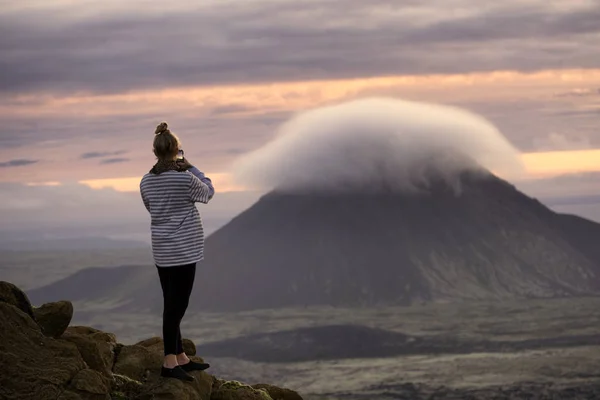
(169, 192)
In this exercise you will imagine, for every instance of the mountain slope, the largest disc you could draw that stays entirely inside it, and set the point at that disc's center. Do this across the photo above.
(490, 241)
(375, 247)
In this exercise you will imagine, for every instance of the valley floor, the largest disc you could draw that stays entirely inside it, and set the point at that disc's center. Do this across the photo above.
(534, 349)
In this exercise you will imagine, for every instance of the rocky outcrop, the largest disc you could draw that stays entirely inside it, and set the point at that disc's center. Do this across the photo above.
(54, 318)
(12, 295)
(43, 358)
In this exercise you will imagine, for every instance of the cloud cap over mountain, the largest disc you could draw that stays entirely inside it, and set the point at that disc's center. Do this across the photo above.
(378, 142)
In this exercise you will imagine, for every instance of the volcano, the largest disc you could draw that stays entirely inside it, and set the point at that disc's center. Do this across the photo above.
(477, 239)
(382, 202)
(376, 247)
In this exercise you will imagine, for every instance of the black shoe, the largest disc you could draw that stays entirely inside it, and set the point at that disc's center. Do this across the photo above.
(177, 373)
(194, 366)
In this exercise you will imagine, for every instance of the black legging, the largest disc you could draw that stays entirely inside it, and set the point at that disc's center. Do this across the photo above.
(177, 284)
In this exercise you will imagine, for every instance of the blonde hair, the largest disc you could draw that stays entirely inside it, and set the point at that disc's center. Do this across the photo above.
(166, 143)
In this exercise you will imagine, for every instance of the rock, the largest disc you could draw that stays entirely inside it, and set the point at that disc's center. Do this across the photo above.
(54, 318)
(125, 388)
(91, 385)
(158, 388)
(93, 333)
(104, 345)
(97, 354)
(234, 390)
(155, 344)
(278, 393)
(136, 362)
(69, 395)
(11, 294)
(33, 365)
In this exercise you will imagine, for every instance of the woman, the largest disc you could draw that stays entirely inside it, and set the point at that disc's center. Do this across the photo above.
(169, 192)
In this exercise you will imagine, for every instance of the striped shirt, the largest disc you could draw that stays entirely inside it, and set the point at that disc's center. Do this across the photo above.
(177, 233)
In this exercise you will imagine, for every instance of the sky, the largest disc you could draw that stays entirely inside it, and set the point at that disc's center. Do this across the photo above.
(84, 84)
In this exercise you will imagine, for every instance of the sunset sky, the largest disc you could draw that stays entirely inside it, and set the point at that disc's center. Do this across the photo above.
(84, 84)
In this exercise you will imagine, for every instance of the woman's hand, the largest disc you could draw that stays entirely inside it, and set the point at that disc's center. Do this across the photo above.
(184, 164)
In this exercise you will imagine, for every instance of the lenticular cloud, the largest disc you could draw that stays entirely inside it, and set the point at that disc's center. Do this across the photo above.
(373, 143)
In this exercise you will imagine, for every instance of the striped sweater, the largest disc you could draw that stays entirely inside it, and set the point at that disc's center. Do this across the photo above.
(177, 233)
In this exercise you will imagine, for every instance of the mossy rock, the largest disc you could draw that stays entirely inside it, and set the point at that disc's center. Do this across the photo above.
(234, 390)
(90, 384)
(278, 393)
(159, 388)
(124, 387)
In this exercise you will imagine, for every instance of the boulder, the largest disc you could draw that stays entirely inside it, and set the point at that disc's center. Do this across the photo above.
(87, 364)
(136, 362)
(278, 393)
(98, 355)
(12, 295)
(91, 385)
(69, 395)
(34, 366)
(54, 318)
(93, 333)
(234, 390)
(98, 348)
(158, 388)
(125, 388)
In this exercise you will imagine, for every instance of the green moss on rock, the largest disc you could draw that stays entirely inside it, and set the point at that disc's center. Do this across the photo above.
(235, 390)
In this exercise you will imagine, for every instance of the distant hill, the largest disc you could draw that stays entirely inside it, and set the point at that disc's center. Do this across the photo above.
(375, 247)
(117, 287)
(76, 243)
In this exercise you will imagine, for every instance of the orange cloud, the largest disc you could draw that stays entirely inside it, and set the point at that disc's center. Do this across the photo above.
(247, 99)
(537, 165)
(553, 163)
(286, 96)
(222, 182)
(50, 183)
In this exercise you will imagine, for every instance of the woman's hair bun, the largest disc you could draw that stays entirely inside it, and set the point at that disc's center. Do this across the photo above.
(161, 128)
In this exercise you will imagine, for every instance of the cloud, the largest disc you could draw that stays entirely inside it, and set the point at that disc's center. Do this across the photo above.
(370, 144)
(74, 47)
(230, 109)
(17, 163)
(99, 154)
(115, 160)
(579, 92)
(559, 142)
(76, 210)
(522, 106)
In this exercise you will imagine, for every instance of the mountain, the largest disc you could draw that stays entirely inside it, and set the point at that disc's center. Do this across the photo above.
(488, 241)
(377, 246)
(122, 287)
